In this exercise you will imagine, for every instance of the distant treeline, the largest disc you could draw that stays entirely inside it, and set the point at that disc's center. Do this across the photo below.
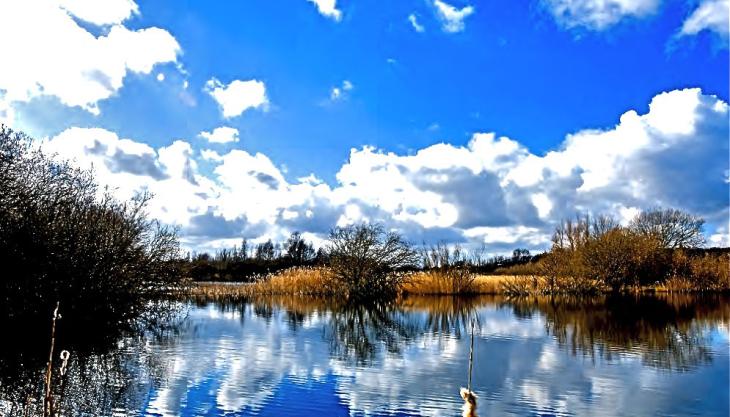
(659, 248)
(247, 262)
(63, 239)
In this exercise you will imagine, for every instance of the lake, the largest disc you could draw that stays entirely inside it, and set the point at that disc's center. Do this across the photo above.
(606, 356)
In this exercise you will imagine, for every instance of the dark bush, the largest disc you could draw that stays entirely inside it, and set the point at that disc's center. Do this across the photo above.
(365, 260)
(63, 239)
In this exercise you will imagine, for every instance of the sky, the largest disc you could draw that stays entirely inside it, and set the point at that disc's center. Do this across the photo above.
(482, 123)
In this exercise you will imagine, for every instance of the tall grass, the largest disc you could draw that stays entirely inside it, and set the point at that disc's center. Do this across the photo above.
(317, 281)
(311, 281)
(453, 282)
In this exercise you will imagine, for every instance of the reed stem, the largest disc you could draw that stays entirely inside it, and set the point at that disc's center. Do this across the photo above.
(48, 400)
(471, 355)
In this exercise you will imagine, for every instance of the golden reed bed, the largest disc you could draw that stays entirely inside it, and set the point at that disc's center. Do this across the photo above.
(316, 282)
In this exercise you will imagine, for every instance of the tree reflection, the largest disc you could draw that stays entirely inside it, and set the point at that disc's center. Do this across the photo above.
(118, 371)
(107, 368)
(669, 332)
(356, 331)
(447, 316)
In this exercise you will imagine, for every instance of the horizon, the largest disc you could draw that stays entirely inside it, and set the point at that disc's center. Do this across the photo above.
(462, 122)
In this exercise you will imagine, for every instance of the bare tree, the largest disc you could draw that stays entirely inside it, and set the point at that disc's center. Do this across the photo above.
(265, 251)
(298, 250)
(602, 224)
(673, 228)
(572, 234)
(365, 260)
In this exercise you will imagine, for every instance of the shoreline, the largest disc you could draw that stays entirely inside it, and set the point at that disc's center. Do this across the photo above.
(504, 285)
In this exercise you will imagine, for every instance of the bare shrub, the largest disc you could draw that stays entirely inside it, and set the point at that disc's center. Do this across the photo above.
(67, 241)
(365, 260)
(449, 268)
(708, 272)
(672, 228)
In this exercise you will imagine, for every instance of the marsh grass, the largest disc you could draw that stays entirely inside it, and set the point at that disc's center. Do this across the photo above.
(690, 274)
(313, 281)
(309, 281)
(453, 282)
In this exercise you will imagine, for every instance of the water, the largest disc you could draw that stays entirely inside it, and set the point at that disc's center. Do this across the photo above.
(649, 356)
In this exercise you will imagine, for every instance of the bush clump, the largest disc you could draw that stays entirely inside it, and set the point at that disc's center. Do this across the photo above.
(366, 262)
(63, 239)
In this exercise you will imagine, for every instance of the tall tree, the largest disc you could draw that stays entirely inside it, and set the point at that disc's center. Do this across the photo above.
(298, 250)
(673, 228)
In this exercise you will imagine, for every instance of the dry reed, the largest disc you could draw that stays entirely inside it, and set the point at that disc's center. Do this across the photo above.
(439, 283)
(318, 282)
(293, 281)
(310, 281)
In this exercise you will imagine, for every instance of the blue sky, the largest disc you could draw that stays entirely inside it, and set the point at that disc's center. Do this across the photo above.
(412, 88)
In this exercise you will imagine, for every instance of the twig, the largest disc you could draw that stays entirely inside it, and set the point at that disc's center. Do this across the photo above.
(48, 400)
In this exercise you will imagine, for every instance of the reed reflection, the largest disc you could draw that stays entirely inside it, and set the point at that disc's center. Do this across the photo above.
(669, 332)
(240, 356)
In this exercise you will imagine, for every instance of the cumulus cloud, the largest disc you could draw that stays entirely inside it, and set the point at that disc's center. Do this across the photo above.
(598, 14)
(452, 18)
(68, 61)
(491, 191)
(238, 96)
(126, 167)
(711, 15)
(223, 134)
(328, 8)
(414, 22)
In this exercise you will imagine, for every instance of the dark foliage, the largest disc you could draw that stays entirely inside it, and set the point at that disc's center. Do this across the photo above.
(365, 260)
(245, 263)
(63, 239)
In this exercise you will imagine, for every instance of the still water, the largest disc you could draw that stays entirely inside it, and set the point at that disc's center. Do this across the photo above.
(627, 356)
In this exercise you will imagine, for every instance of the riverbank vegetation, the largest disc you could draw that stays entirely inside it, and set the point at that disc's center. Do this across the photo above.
(64, 240)
(655, 252)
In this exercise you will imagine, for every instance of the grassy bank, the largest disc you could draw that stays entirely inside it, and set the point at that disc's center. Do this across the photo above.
(318, 282)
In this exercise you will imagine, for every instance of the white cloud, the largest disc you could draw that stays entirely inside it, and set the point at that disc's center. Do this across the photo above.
(223, 134)
(238, 96)
(721, 237)
(712, 15)
(338, 92)
(452, 19)
(100, 13)
(69, 62)
(128, 166)
(335, 93)
(598, 14)
(328, 8)
(493, 190)
(414, 22)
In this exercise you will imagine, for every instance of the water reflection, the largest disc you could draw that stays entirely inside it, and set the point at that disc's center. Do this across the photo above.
(669, 332)
(296, 356)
